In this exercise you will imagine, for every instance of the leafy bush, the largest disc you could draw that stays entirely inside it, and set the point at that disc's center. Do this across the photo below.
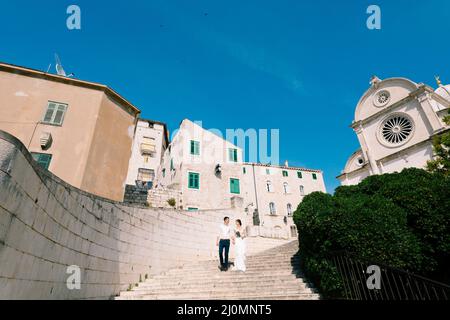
(172, 202)
(400, 220)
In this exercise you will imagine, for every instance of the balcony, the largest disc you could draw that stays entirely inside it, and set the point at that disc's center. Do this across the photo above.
(148, 148)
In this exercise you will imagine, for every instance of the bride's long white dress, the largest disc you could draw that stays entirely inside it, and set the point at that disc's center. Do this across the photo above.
(240, 252)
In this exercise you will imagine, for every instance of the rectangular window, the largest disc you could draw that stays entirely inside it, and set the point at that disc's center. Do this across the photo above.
(194, 180)
(145, 174)
(314, 176)
(232, 155)
(195, 148)
(55, 113)
(268, 172)
(172, 168)
(42, 159)
(285, 173)
(192, 209)
(234, 186)
(299, 175)
(163, 172)
(244, 170)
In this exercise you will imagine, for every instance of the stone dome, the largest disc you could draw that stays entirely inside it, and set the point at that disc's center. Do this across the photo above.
(444, 91)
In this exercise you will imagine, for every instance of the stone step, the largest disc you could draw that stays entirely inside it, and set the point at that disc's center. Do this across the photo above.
(216, 295)
(219, 291)
(283, 297)
(255, 266)
(218, 288)
(272, 259)
(226, 275)
(220, 282)
(271, 274)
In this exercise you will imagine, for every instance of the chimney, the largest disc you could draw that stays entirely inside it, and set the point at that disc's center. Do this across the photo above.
(286, 164)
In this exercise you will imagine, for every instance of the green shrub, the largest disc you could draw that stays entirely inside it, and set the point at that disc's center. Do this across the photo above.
(172, 202)
(400, 220)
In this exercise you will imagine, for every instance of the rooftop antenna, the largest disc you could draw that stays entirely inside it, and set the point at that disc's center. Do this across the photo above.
(59, 69)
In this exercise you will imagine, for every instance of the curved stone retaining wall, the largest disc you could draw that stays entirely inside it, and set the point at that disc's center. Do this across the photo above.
(47, 225)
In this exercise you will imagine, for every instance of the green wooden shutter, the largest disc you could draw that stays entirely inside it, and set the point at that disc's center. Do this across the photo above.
(234, 186)
(232, 155)
(193, 180)
(42, 159)
(195, 147)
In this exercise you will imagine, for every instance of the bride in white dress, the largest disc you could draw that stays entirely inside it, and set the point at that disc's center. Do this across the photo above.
(239, 247)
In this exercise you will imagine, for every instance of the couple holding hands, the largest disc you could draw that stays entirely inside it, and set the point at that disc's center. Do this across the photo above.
(236, 236)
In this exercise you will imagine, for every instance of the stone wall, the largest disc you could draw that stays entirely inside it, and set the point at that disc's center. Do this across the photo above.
(47, 225)
(158, 197)
(135, 195)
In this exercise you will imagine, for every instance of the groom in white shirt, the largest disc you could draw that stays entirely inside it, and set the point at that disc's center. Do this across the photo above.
(223, 241)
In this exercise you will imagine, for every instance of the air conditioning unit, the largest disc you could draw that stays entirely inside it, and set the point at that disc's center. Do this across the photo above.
(46, 140)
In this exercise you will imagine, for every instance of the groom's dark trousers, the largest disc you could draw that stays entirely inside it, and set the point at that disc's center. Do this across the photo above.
(224, 245)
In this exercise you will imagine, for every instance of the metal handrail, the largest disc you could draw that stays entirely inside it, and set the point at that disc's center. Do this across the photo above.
(395, 284)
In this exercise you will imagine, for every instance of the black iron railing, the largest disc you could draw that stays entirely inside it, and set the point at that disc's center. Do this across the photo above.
(394, 284)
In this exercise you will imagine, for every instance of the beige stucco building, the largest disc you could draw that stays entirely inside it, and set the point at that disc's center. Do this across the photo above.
(81, 131)
(395, 122)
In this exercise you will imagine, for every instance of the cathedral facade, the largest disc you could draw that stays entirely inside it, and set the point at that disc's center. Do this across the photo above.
(395, 122)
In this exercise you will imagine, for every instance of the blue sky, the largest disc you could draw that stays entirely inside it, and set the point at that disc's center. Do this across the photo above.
(297, 66)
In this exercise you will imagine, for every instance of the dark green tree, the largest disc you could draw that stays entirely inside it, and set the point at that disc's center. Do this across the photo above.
(441, 148)
(401, 220)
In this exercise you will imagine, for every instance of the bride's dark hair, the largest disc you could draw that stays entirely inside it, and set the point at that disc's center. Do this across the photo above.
(239, 221)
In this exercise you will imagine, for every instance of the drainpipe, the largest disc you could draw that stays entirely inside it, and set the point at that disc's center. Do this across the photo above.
(32, 135)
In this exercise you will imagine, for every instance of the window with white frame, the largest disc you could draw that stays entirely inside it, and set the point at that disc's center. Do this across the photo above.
(55, 113)
(289, 210)
(286, 188)
(272, 208)
(269, 186)
(302, 190)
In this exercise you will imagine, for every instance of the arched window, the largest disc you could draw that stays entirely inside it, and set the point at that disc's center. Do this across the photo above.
(272, 208)
(289, 210)
(286, 187)
(269, 186)
(302, 190)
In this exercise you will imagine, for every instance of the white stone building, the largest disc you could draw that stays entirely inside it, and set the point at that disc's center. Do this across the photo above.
(272, 194)
(150, 140)
(201, 166)
(201, 171)
(395, 122)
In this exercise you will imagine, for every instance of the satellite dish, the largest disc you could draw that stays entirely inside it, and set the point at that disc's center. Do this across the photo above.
(59, 68)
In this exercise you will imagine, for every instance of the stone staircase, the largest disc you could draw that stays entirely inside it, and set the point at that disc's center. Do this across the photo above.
(271, 275)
